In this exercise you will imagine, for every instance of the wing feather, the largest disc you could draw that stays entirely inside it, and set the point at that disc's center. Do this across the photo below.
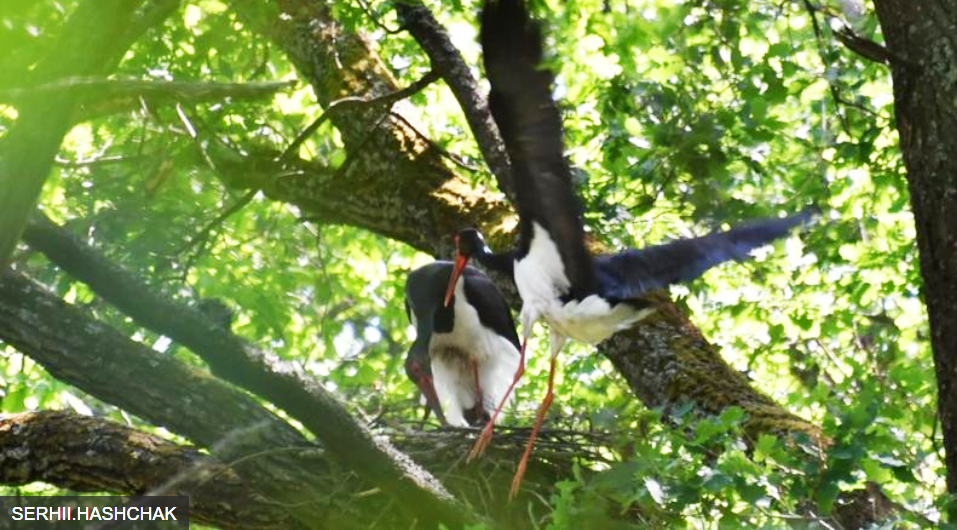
(531, 127)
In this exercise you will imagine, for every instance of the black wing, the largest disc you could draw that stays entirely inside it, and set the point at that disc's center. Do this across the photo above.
(490, 304)
(531, 127)
(637, 271)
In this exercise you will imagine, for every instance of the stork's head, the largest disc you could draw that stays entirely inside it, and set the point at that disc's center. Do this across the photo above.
(468, 243)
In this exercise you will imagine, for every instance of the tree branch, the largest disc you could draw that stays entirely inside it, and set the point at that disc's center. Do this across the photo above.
(97, 90)
(448, 62)
(271, 457)
(384, 101)
(340, 64)
(81, 453)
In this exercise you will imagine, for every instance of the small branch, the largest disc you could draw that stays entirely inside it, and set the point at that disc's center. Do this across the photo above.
(98, 161)
(97, 89)
(386, 100)
(448, 62)
(819, 39)
(868, 49)
(375, 20)
(203, 234)
(441, 150)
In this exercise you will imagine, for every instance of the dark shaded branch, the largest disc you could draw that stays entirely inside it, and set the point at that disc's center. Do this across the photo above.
(448, 62)
(92, 42)
(92, 454)
(235, 360)
(866, 48)
(293, 474)
(96, 455)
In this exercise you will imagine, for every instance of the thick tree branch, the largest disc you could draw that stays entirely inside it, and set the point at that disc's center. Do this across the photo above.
(448, 62)
(235, 360)
(81, 453)
(271, 457)
(92, 43)
(92, 454)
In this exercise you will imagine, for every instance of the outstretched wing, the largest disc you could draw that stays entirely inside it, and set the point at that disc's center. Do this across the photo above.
(637, 271)
(528, 119)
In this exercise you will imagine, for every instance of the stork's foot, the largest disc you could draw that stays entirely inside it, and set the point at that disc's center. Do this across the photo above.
(476, 416)
(482, 442)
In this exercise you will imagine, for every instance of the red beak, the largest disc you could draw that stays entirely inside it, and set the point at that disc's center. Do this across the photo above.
(460, 262)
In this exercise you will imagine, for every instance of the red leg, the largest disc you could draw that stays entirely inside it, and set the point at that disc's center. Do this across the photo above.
(547, 402)
(479, 397)
(486, 436)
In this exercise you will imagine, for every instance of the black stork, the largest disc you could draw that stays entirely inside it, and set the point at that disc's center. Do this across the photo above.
(465, 353)
(584, 297)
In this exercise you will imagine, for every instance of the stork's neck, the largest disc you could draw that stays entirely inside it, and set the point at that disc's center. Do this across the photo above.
(503, 262)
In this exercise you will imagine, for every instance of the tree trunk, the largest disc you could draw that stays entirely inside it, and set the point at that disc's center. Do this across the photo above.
(922, 37)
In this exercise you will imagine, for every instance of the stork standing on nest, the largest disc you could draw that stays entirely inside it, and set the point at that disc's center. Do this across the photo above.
(465, 352)
(584, 297)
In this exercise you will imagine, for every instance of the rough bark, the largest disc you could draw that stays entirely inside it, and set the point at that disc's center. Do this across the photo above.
(81, 453)
(922, 35)
(383, 148)
(91, 43)
(233, 359)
